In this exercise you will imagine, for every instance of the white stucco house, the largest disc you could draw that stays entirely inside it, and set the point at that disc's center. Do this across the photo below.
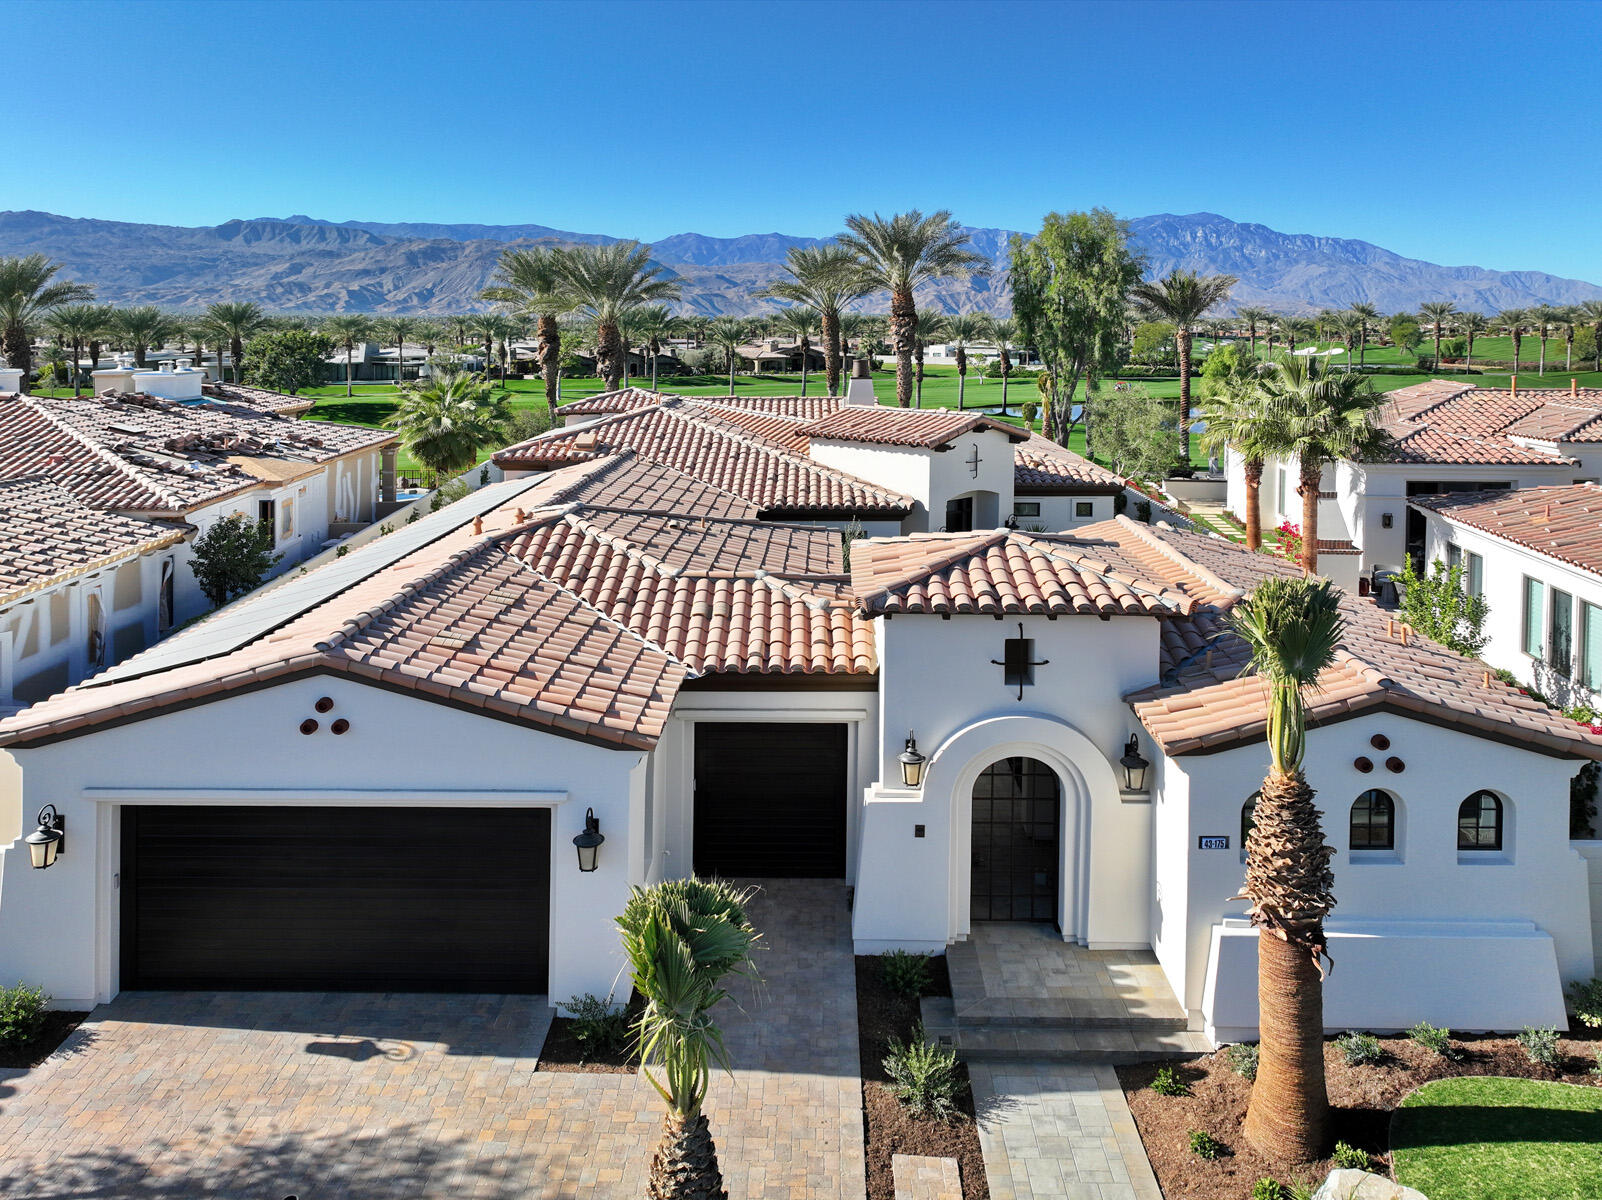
(692, 655)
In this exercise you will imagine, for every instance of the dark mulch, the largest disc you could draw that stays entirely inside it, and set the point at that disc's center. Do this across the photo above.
(566, 1054)
(57, 1025)
(1362, 1098)
(882, 1015)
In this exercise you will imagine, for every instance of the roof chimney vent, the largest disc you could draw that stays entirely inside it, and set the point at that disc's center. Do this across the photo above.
(859, 389)
(1574, 387)
(1513, 382)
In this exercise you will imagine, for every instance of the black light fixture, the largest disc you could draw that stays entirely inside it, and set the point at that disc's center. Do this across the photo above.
(46, 843)
(912, 763)
(1134, 766)
(589, 842)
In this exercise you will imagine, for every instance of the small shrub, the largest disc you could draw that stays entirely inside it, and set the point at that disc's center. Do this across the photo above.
(1300, 1191)
(1432, 1037)
(1360, 1049)
(1269, 1189)
(1205, 1145)
(341, 551)
(1587, 999)
(1540, 1045)
(1348, 1157)
(905, 973)
(22, 1014)
(1143, 511)
(1242, 1059)
(1597, 1070)
(597, 1026)
(1168, 1083)
(923, 1076)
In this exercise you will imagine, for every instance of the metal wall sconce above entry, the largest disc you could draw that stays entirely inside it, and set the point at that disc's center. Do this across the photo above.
(1134, 765)
(912, 763)
(589, 842)
(46, 843)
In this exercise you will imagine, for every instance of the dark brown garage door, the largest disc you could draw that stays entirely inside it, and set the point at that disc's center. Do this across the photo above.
(336, 899)
(770, 800)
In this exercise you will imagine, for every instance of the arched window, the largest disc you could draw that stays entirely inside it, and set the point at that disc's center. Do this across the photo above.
(1479, 822)
(1247, 820)
(1373, 825)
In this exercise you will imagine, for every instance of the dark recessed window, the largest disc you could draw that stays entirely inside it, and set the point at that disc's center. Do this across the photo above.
(1479, 822)
(1026, 508)
(1247, 821)
(1017, 661)
(1373, 821)
(1084, 508)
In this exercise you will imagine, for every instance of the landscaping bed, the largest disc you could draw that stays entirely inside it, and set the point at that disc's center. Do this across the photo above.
(882, 1016)
(1362, 1097)
(54, 1031)
(566, 1052)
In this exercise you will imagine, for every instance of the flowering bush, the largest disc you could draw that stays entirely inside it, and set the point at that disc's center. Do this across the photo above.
(1290, 540)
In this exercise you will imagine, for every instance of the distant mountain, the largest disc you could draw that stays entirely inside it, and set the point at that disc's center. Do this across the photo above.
(305, 264)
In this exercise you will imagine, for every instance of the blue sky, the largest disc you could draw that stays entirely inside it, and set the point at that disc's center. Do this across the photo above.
(1459, 133)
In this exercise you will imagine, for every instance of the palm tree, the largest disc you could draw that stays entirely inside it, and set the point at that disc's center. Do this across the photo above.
(1292, 627)
(1470, 325)
(1182, 298)
(1514, 320)
(603, 282)
(1591, 311)
(1568, 321)
(801, 322)
(1317, 416)
(76, 325)
(824, 279)
(898, 253)
(1276, 322)
(1542, 316)
(964, 329)
(1437, 313)
(1366, 315)
(932, 327)
(682, 939)
(1295, 329)
(349, 330)
(459, 326)
(397, 329)
(1002, 331)
(234, 321)
(1233, 412)
(444, 419)
(142, 329)
(1253, 318)
(729, 334)
(652, 323)
(26, 291)
(533, 282)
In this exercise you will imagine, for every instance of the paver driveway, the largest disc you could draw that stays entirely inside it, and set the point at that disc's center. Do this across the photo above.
(259, 1096)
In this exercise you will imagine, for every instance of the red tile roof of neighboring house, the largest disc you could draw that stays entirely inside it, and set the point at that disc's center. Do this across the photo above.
(929, 428)
(1449, 422)
(625, 480)
(1563, 522)
(1043, 468)
(807, 408)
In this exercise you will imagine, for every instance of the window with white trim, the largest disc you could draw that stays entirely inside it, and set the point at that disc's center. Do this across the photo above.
(1534, 616)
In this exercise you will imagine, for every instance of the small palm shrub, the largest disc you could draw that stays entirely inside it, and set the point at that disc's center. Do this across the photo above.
(1242, 1059)
(597, 1027)
(1348, 1157)
(22, 1014)
(923, 1076)
(904, 972)
(1168, 1083)
(1360, 1049)
(1587, 1000)
(1540, 1045)
(1269, 1189)
(1205, 1145)
(1434, 1038)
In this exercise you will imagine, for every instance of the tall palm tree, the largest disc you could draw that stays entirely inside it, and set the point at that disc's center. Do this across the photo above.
(1437, 314)
(1470, 325)
(1002, 331)
(459, 325)
(932, 327)
(26, 292)
(142, 329)
(824, 279)
(1295, 329)
(533, 282)
(1590, 312)
(1367, 315)
(1568, 321)
(801, 322)
(444, 419)
(1233, 412)
(1253, 318)
(729, 334)
(1182, 298)
(897, 254)
(234, 321)
(1292, 627)
(1272, 331)
(398, 329)
(603, 282)
(76, 325)
(1542, 316)
(349, 330)
(682, 938)
(1514, 320)
(652, 323)
(964, 329)
(1317, 416)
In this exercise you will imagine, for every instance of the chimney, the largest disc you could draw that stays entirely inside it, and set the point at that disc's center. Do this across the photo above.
(859, 388)
(114, 379)
(166, 381)
(1574, 387)
(1513, 382)
(11, 379)
(478, 524)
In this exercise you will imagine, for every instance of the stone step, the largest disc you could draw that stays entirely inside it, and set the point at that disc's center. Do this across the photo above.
(1047, 1014)
(1111, 1046)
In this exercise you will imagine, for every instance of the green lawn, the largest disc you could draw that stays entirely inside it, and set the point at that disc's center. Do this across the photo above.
(1500, 1139)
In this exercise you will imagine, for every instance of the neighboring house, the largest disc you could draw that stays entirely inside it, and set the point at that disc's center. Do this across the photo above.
(1449, 436)
(772, 356)
(430, 720)
(1536, 556)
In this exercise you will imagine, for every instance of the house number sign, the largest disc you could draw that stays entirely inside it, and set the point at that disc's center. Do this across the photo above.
(1212, 842)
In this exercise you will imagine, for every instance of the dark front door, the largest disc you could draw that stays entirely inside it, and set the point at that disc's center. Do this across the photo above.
(336, 899)
(959, 514)
(1016, 814)
(770, 800)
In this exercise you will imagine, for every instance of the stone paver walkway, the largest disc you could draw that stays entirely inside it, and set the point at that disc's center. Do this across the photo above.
(1058, 1132)
(257, 1096)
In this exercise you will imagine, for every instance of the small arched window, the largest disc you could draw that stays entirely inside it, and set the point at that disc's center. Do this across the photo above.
(1479, 822)
(1247, 819)
(1373, 825)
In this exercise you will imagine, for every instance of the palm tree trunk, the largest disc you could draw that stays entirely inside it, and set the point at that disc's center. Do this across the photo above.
(1540, 368)
(1254, 507)
(607, 340)
(236, 354)
(731, 370)
(1182, 336)
(550, 338)
(1362, 348)
(962, 377)
(1437, 345)
(1288, 1118)
(1006, 370)
(904, 333)
(831, 351)
(1308, 489)
(685, 1165)
(77, 388)
(1568, 354)
(918, 358)
(1518, 340)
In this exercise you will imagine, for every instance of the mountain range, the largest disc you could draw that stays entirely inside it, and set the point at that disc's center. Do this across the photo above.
(304, 264)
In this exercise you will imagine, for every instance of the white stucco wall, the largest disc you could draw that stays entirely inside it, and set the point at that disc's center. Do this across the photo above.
(59, 928)
(931, 477)
(1061, 512)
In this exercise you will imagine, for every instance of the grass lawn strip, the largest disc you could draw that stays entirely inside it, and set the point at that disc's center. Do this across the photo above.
(1500, 1139)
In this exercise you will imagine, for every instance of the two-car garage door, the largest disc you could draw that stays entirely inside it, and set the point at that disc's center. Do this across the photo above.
(336, 899)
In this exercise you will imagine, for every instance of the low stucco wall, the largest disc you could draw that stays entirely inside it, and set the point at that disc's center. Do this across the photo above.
(1591, 852)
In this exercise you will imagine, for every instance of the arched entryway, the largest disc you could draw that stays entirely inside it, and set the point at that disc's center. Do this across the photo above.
(1017, 823)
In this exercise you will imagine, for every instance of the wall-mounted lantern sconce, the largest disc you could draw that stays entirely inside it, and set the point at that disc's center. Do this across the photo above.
(1134, 766)
(589, 842)
(912, 763)
(46, 843)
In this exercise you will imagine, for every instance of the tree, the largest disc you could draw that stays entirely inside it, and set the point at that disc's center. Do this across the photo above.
(1591, 310)
(896, 254)
(1470, 325)
(824, 279)
(77, 325)
(1253, 318)
(1233, 410)
(1294, 329)
(1068, 287)
(728, 334)
(932, 327)
(1568, 321)
(143, 329)
(682, 938)
(1404, 332)
(1437, 314)
(233, 557)
(1292, 628)
(964, 329)
(1183, 298)
(1440, 606)
(605, 281)
(1003, 331)
(26, 291)
(1153, 342)
(234, 321)
(347, 331)
(1543, 316)
(286, 361)
(1317, 416)
(1367, 317)
(444, 419)
(397, 329)
(1136, 432)
(533, 282)
(653, 322)
(1514, 320)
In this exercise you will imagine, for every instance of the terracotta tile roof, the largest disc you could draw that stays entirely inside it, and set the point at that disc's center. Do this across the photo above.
(1564, 522)
(605, 403)
(806, 408)
(281, 403)
(1419, 443)
(624, 480)
(1446, 422)
(1204, 703)
(50, 535)
(684, 436)
(930, 428)
(1043, 468)
(786, 432)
